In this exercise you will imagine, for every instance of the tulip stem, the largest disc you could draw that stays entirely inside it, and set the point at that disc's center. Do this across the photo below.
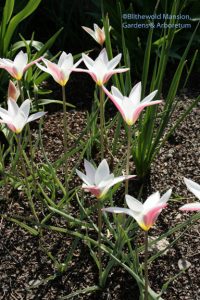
(102, 122)
(99, 239)
(29, 137)
(21, 90)
(18, 137)
(128, 157)
(146, 265)
(65, 137)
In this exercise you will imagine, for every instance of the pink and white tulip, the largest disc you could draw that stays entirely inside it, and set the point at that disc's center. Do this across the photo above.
(101, 69)
(17, 117)
(99, 180)
(195, 189)
(13, 91)
(131, 107)
(98, 34)
(17, 67)
(62, 70)
(145, 214)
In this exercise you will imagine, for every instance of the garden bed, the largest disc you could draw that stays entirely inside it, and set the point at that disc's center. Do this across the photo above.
(27, 272)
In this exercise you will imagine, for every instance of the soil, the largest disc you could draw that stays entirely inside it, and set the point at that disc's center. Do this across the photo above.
(26, 269)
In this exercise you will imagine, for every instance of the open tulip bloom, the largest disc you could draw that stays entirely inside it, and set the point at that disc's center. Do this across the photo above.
(17, 117)
(101, 69)
(17, 67)
(195, 189)
(144, 213)
(131, 107)
(99, 181)
(98, 34)
(62, 70)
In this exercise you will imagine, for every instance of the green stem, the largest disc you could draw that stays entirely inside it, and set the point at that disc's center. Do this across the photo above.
(29, 137)
(99, 239)
(146, 265)
(21, 90)
(32, 162)
(65, 137)
(18, 137)
(127, 158)
(102, 122)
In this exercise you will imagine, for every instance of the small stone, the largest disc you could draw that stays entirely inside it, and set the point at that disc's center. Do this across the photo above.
(158, 246)
(183, 264)
(34, 283)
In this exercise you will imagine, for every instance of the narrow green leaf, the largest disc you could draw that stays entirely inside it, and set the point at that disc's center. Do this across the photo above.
(14, 22)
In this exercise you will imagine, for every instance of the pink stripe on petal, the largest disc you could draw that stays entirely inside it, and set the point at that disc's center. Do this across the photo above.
(151, 216)
(54, 69)
(11, 70)
(139, 109)
(112, 72)
(93, 190)
(94, 77)
(11, 127)
(191, 207)
(112, 98)
(32, 63)
(13, 92)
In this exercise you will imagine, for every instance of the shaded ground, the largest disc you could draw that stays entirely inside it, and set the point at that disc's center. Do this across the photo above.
(27, 273)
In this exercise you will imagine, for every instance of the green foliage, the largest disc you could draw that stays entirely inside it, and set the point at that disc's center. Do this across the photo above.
(10, 23)
(136, 38)
(152, 125)
(54, 208)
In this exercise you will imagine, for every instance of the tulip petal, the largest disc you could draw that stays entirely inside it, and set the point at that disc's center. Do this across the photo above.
(112, 181)
(108, 74)
(149, 97)
(62, 58)
(134, 204)
(90, 170)
(53, 69)
(4, 116)
(117, 102)
(88, 61)
(25, 108)
(13, 92)
(106, 182)
(114, 62)
(84, 178)
(96, 27)
(103, 56)
(152, 201)
(67, 64)
(20, 61)
(32, 63)
(35, 116)
(13, 108)
(151, 216)
(166, 196)
(193, 187)
(90, 31)
(77, 63)
(6, 62)
(141, 107)
(135, 94)
(44, 69)
(119, 210)
(190, 207)
(94, 190)
(102, 172)
(3, 112)
(117, 93)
